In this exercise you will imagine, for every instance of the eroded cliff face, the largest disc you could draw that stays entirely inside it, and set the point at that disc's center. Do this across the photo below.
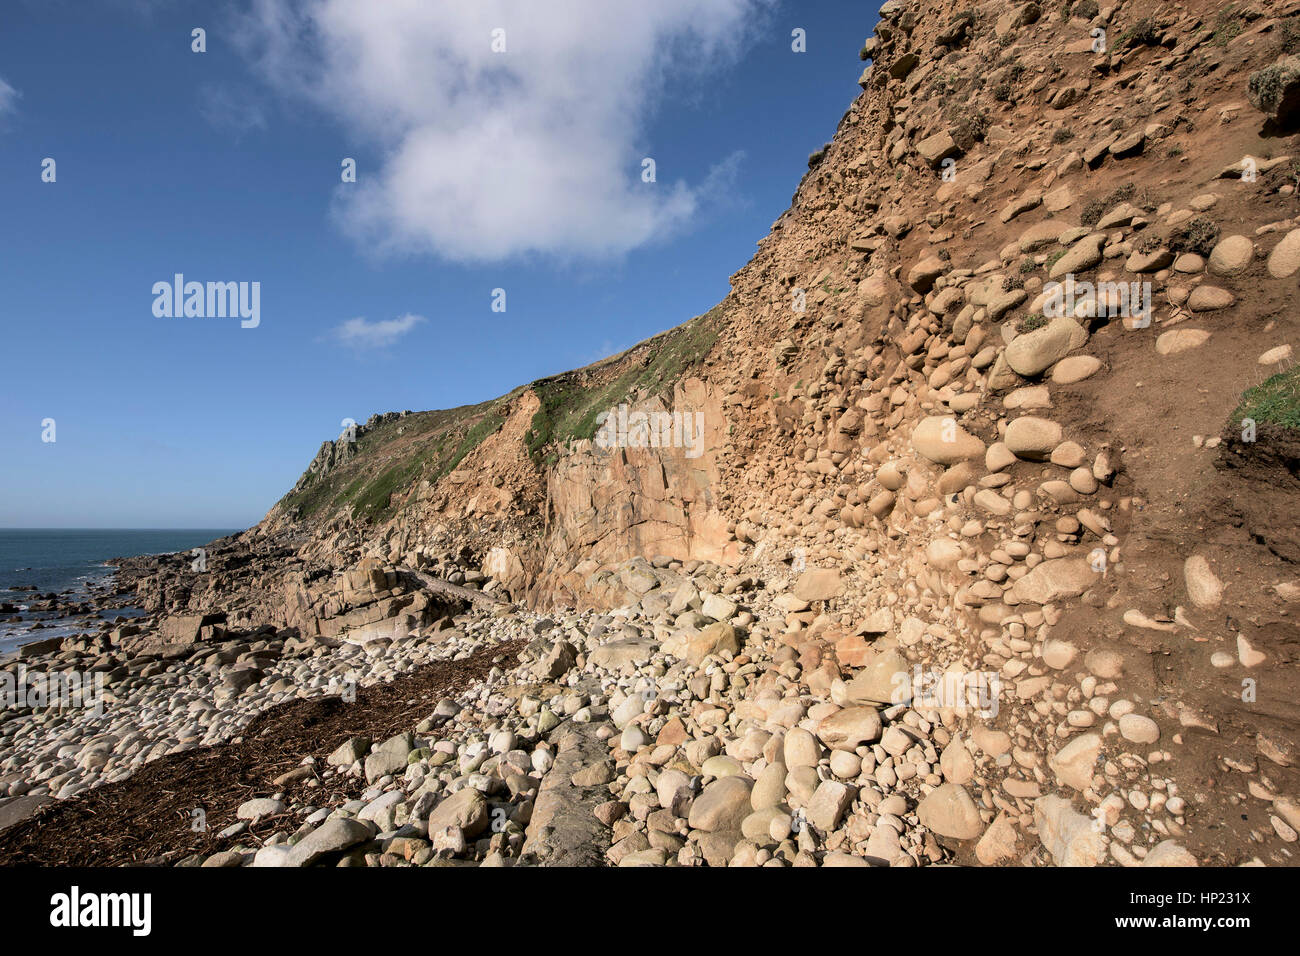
(606, 505)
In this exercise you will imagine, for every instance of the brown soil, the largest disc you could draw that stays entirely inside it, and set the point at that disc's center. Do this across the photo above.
(1237, 503)
(146, 819)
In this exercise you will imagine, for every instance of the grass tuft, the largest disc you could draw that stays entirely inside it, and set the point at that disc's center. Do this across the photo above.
(1276, 400)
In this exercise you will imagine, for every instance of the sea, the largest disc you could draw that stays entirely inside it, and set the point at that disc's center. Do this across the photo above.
(70, 559)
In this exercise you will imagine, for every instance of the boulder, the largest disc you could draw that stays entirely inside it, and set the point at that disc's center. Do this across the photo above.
(1180, 340)
(941, 440)
(1284, 260)
(883, 680)
(949, 811)
(1203, 586)
(1033, 438)
(714, 639)
(818, 584)
(1034, 352)
(1075, 763)
(849, 728)
(389, 757)
(333, 836)
(1231, 256)
(935, 149)
(1070, 837)
(1055, 579)
(1083, 255)
(723, 805)
(467, 809)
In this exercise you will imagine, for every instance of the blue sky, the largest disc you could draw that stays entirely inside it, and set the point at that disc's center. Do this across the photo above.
(474, 174)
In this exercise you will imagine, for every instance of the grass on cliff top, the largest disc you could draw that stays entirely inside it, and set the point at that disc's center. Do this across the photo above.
(571, 402)
(1275, 400)
(394, 456)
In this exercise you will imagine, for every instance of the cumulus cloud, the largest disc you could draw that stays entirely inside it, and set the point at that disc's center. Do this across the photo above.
(361, 333)
(489, 155)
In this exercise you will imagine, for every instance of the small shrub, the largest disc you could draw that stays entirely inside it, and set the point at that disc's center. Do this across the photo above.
(1093, 212)
(1121, 194)
(1150, 244)
(1288, 36)
(1226, 27)
(1062, 135)
(1266, 87)
(1142, 33)
(1026, 267)
(1097, 208)
(1031, 322)
(1002, 92)
(968, 128)
(1199, 236)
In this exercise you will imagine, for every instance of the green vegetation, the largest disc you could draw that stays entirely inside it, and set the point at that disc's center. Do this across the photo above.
(1226, 27)
(1031, 322)
(393, 456)
(570, 404)
(1275, 400)
(370, 501)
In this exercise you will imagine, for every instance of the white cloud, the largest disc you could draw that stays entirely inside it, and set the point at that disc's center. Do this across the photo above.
(488, 156)
(361, 333)
(8, 98)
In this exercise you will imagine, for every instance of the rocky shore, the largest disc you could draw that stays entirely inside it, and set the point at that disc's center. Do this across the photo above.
(694, 725)
(960, 575)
